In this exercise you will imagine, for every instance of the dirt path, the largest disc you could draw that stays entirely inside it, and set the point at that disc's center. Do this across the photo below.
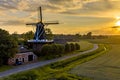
(41, 63)
(105, 67)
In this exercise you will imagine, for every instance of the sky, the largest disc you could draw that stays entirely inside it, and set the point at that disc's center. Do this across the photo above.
(74, 16)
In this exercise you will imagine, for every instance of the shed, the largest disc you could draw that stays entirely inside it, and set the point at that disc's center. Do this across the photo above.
(23, 56)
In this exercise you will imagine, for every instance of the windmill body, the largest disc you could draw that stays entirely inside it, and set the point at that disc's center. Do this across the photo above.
(39, 36)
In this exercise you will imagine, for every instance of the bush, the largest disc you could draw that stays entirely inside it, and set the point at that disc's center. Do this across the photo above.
(67, 48)
(45, 50)
(57, 49)
(77, 46)
(72, 47)
(61, 49)
(53, 49)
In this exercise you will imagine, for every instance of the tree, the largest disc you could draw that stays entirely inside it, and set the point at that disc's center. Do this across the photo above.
(78, 36)
(49, 34)
(61, 48)
(8, 46)
(89, 35)
(15, 36)
(25, 37)
(72, 47)
(28, 35)
(67, 48)
(51, 49)
(45, 50)
(55, 49)
(77, 46)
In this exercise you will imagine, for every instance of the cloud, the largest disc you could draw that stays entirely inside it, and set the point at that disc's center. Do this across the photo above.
(8, 4)
(106, 31)
(64, 5)
(19, 12)
(94, 7)
(12, 22)
(61, 6)
(27, 8)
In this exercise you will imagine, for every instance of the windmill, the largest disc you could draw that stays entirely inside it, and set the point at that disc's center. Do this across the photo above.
(39, 36)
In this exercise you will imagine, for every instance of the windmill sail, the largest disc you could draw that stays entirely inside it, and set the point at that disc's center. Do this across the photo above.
(40, 14)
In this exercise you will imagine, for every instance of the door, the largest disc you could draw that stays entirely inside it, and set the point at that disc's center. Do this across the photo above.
(30, 57)
(16, 61)
(22, 59)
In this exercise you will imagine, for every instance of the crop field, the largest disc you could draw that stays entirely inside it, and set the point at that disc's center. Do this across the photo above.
(105, 67)
(109, 40)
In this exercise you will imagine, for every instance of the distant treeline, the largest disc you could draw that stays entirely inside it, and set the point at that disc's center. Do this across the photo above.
(58, 38)
(62, 38)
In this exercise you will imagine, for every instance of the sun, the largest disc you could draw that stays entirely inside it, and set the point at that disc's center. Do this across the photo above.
(118, 17)
(117, 23)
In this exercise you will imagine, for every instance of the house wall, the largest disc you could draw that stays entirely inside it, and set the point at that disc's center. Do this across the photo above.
(23, 57)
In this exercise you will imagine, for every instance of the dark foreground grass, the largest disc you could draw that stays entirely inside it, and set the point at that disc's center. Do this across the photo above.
(5, 67)
(59, 70)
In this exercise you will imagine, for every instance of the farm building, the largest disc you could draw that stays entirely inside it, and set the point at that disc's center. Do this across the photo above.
(23, 56)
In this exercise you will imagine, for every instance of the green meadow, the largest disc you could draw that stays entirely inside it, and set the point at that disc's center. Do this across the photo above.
(105, 67)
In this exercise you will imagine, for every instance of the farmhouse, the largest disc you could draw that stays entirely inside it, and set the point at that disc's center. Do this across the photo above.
(23, 56)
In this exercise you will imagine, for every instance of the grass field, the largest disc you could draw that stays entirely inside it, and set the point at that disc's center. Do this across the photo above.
(58, 70)
(105, 67)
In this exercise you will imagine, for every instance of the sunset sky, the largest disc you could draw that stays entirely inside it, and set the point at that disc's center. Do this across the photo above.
(74, 16)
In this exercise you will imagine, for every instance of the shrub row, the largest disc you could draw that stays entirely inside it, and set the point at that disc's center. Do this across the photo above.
(57, 49)
(72, 47)
(52, 49)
